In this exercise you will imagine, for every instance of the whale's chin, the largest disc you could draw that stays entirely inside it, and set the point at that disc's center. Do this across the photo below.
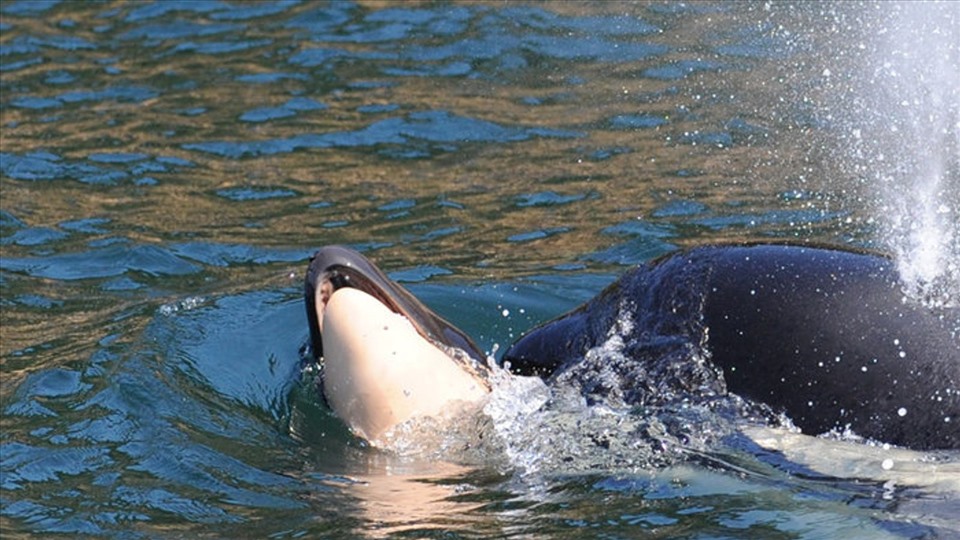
(380, 372)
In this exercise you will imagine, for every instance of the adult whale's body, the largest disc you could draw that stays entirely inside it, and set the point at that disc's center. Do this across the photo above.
(824, 335)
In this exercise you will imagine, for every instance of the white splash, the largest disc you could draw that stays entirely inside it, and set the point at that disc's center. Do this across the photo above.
(911, 142)
(511, 407)
(187, 304)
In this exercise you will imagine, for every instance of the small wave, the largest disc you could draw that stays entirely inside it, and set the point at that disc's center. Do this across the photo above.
(528, 428)
(186, 304)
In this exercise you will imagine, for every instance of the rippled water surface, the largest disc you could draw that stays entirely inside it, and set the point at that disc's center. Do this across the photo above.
(167, 168)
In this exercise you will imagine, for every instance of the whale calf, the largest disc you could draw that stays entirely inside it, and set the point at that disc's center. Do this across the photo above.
(386, 357)
(823, 335)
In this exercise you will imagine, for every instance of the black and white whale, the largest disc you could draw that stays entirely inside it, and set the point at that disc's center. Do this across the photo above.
(386, 357)
(824, 335)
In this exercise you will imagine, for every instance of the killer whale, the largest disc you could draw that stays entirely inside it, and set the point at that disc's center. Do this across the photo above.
(335, 267)
(823, 335)
(385, 357)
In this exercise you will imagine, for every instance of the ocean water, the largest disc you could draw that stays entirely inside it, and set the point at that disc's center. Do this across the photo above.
(168, 167)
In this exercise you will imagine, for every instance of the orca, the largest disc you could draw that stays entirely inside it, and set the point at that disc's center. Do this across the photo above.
(824, 335)
(386, 358)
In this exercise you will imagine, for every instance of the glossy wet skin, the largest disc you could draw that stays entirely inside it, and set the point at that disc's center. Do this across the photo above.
(335, 267)
(824, 335)
(386, 357)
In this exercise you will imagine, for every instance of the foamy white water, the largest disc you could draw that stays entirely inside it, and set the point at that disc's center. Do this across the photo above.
(911, 142)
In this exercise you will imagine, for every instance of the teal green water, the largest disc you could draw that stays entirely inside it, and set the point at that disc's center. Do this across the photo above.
(167, 168)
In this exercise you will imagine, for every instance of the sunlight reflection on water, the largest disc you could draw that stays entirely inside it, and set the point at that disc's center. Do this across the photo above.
(167, 168)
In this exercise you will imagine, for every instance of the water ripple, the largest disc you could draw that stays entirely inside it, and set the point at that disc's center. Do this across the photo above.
(159, 9)
(152, 311)
(180, 29)
(47, 166)
(114, 260)
(28, 7)
(438, 127)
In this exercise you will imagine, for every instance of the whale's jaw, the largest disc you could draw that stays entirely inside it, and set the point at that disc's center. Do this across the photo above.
(379, 371)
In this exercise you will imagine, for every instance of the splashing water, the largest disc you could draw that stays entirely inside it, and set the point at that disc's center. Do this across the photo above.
(582, 420)
(910, 143)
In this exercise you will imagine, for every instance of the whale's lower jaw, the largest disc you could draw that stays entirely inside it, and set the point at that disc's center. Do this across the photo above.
(380, 372)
